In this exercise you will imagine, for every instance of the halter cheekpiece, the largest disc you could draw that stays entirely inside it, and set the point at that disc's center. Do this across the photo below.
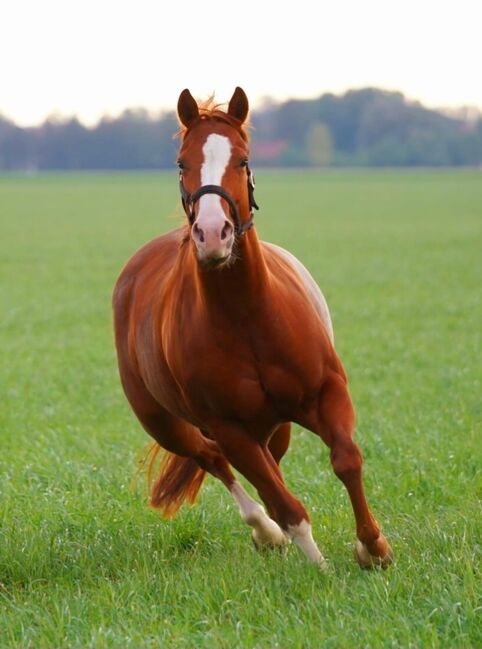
(190, 200)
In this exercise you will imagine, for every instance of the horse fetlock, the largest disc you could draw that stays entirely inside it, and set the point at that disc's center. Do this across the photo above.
(255, 515)
(265, 530)
(368, 533)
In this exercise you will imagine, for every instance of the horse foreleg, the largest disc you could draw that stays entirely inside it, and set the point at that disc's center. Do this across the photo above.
(336, 422)
(255, 463)
(265, 531)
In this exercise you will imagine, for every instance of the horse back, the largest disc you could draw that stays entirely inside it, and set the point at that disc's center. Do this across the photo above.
(283, 263)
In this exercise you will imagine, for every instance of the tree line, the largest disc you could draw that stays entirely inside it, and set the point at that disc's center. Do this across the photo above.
(368, 127)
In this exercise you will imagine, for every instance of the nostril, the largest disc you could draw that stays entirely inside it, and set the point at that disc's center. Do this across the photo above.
(227, 230)
(198, 233)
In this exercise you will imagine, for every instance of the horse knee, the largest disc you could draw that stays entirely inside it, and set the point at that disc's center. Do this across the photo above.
(346, 459)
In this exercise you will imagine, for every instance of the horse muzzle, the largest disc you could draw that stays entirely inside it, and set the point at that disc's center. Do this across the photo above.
(213, 236)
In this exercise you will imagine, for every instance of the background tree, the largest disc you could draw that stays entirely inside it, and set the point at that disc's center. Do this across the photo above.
(361, 127)
(319, 145)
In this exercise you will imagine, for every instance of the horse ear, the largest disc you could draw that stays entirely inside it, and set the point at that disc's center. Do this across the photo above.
(239, 105)
(187, 108)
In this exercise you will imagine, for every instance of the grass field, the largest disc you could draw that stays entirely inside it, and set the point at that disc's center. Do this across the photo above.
(85, 563)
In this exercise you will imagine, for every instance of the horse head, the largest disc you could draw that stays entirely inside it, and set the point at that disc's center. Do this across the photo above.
(216, 183)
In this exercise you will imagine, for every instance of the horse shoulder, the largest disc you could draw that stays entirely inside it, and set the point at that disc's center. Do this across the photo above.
(311, 288)
(141, 278)
(155, 256)
(144, 327)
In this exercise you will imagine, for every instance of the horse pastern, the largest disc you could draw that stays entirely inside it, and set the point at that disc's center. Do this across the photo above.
(267, 547)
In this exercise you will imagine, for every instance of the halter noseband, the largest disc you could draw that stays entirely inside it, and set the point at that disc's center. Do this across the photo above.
(189, 201)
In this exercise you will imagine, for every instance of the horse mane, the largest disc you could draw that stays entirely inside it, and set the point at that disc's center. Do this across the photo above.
(209, 109)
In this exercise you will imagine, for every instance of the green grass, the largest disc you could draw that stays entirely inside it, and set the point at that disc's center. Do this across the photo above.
(83, 560)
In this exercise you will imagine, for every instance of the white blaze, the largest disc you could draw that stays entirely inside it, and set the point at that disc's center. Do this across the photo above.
(217, 152)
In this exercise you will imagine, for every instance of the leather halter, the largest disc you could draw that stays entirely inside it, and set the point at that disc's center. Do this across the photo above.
(190, 200)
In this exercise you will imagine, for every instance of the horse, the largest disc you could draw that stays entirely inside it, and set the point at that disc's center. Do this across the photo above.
(224, 340)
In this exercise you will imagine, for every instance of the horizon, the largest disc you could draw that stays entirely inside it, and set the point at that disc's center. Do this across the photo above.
(261, 104)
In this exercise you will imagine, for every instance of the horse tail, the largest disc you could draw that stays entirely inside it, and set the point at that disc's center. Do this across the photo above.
(178, 479)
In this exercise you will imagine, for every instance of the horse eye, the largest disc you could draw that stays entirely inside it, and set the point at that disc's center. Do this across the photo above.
(244, 162)
(180, 164)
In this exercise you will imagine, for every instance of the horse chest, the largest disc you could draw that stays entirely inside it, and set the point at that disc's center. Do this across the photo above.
(263, 367)
(223, 383)
(236, 380)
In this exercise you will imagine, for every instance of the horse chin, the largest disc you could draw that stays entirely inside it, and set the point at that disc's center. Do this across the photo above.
(215, 262)
(215, 259)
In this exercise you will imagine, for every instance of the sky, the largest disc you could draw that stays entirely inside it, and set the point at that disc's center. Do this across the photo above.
(90, 58)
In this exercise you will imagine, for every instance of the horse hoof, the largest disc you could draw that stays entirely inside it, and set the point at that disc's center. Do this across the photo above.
(272, 542)
(368, 561)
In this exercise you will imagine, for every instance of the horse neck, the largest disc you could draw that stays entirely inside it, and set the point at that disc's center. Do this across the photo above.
(239, 286)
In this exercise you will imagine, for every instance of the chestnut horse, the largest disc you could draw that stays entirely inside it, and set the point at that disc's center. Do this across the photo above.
(223, 340)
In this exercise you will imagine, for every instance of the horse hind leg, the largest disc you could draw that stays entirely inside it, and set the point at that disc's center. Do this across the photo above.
(179, 474)
(280, 441)
(335, 427)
